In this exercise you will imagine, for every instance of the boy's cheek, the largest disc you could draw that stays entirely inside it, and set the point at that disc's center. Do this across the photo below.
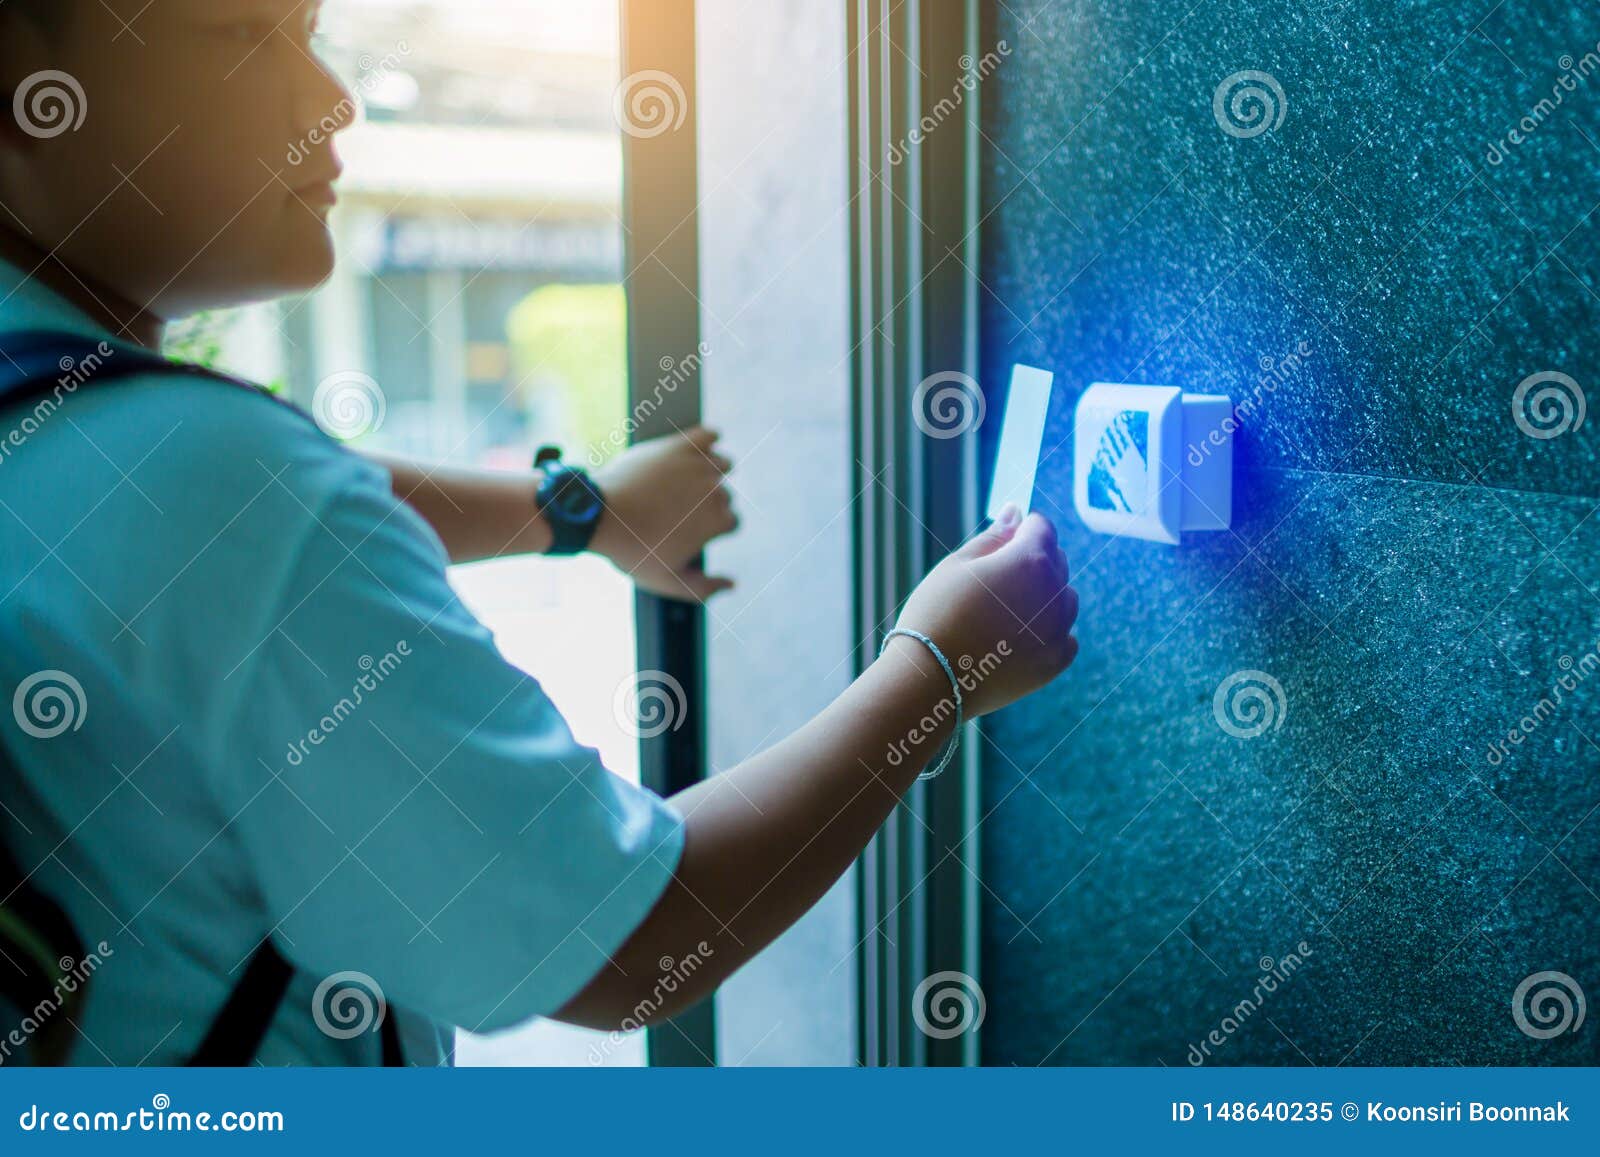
(212, 171)
(195, 227)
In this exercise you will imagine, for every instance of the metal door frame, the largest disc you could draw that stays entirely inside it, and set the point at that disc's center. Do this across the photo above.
(914, 218)
(661, 243)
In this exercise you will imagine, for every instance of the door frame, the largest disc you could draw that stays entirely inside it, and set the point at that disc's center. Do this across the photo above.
(913, 299)
(914, 228)
(661, 246)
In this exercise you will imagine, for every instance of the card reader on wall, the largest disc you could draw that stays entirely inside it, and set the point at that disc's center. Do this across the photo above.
(1151, 461)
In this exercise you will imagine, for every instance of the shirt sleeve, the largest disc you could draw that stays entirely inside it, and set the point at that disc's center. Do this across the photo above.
(413, 807)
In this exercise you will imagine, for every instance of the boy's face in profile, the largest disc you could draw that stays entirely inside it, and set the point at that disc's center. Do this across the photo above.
(175, 191)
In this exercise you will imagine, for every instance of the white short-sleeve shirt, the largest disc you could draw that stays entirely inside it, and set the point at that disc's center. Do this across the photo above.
(288, 726)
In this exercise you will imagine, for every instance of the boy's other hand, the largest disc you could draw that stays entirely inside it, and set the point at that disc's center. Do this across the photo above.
(1001, 610)
(665, 500)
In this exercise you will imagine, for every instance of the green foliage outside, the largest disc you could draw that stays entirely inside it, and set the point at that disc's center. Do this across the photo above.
(201, 340)
(569, 351)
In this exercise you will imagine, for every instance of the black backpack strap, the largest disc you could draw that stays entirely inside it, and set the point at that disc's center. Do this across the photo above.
(394, 1056)
(235, 1037)
(40, 364)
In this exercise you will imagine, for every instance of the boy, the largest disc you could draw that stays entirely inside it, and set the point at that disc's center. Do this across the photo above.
(212, 577)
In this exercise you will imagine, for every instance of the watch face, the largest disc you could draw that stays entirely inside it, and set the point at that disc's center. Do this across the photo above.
(575, 500)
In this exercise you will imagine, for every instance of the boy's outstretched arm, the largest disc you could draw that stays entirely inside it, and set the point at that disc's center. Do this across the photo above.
(766, 839)
(666, 499)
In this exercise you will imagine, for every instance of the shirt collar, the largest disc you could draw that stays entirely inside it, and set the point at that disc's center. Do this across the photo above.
(26, 303)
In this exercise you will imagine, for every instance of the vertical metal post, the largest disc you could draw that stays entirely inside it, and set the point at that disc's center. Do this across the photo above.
(913, 301)
(662, 276)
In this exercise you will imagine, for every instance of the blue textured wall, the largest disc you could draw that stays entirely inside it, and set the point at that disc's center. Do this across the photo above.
(1411, 567)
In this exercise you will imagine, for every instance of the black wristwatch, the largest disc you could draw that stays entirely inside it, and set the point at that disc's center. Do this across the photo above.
(569, 500)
